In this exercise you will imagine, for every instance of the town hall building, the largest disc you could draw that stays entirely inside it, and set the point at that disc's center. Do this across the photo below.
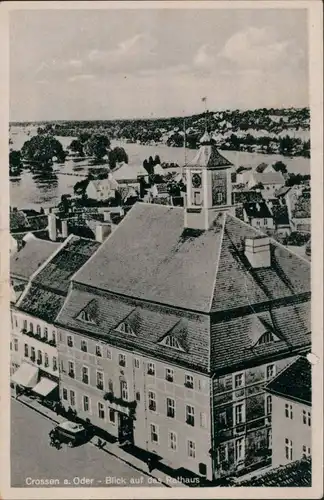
(173, 327)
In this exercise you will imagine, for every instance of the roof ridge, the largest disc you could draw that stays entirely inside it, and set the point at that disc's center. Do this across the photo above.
(218, 259)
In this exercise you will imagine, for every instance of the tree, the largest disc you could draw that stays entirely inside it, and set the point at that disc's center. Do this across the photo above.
(279, 166)
(14, 159)
(84, 137)
(97, 146)
(286, 145)
(76, 146)
(117, 155)
(157, 160)
(42, 149)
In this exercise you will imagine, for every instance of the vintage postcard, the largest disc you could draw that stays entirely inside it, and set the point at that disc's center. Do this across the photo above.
(161, 250)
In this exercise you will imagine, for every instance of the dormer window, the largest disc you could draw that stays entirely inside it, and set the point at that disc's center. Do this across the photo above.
(125, 328)
(266, 338)
(85, 316)
(172, 342)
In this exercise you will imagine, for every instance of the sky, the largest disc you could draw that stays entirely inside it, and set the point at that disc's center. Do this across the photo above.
(107, 64)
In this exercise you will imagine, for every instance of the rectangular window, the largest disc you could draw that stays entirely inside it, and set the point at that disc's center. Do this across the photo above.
(69, 340)
(16, 321)
(54, 363)
(288, 449)
(31, 327)
(169, 374)
(71, 370)
(190, 415)
(203, 420)
(268, 405)
(38, 330)
(304, 417)
(265, 222)
(170, 408)
(239, 414)
(219, 197)
(86, 404)
(101, 410)
(85, 375)
(98, 351)
(238, 380)
(32, 354)
(151, 369)
(84, 346)
(172, 441)
(16, 345)
(269, 438)
(191, 449)
(122, 359)
(109, 354)
(288, 411)
(154, 433)
(46, 360)
(124, 390)
(152, 400)
(239, 449)
(72, 398)
(25, 324)
(26, 350)
(136, 363)
(64, 394)
(309, 419)
(222, 453)
(112, 416)
(270, 371)
(54, 337)
(39, 357)
(138, 396)
(189, 381)
(46, 333)
(197, 198)
(100, 380)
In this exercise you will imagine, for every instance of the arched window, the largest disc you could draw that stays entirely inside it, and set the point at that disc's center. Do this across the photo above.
(38, 330)
(31, 327)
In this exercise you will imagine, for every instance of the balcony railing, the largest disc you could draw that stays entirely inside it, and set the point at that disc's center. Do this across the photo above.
(39, 337)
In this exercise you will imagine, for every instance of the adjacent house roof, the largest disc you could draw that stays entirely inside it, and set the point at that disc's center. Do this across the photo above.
(294, 382)
(50, 285)
(269, 178)
(151, 256)
(125, 172)
(33, 254)
(100, 184)
(257, 210)
(282, 191)
(298, 473)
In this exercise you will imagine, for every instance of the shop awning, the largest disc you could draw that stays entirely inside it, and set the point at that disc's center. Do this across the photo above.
(44, 387)
(26, 375)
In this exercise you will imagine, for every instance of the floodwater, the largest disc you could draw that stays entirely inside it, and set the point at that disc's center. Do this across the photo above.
(33, 191)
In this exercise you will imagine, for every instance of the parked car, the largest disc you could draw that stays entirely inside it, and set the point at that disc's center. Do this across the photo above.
(70, 433)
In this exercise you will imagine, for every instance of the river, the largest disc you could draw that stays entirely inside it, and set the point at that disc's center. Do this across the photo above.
(32, 191)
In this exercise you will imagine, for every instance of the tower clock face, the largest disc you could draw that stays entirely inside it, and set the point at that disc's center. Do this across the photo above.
(196, 180)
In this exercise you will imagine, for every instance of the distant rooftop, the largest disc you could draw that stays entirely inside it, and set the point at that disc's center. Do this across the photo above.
(294, 382)
(33, 254)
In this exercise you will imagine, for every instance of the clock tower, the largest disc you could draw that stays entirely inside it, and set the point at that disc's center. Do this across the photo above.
(208, 186)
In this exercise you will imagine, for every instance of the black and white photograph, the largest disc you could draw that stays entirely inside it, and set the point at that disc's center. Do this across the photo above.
(160, 176)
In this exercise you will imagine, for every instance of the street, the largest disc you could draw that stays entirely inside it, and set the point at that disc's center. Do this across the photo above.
(34, 461)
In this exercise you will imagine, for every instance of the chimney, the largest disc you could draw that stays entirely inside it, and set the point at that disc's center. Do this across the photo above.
(102, 231)
(52, 227)
(257, 251)
(65, 229)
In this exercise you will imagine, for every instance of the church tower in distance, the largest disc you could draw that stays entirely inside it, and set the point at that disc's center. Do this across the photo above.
(209, 187)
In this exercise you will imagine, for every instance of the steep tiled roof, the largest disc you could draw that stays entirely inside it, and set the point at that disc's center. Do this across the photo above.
(257, 210)
(150, 325)
(231, 338)
(42, 303)
(57, 273)
(294, 382)
(35, 252)
(294, 474)
(150, 256)
(50, 286)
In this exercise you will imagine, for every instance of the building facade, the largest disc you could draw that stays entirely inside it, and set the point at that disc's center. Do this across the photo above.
(291, 413)
(173, 327)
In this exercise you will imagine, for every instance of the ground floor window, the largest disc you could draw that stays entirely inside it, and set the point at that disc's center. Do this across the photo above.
(172, 440)
(112, 416)
(101, 410)
(86, 404)
(154, 433)
(64, 394)
(239, 449)
(72, 398)
(288, 449)
(191, 449)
